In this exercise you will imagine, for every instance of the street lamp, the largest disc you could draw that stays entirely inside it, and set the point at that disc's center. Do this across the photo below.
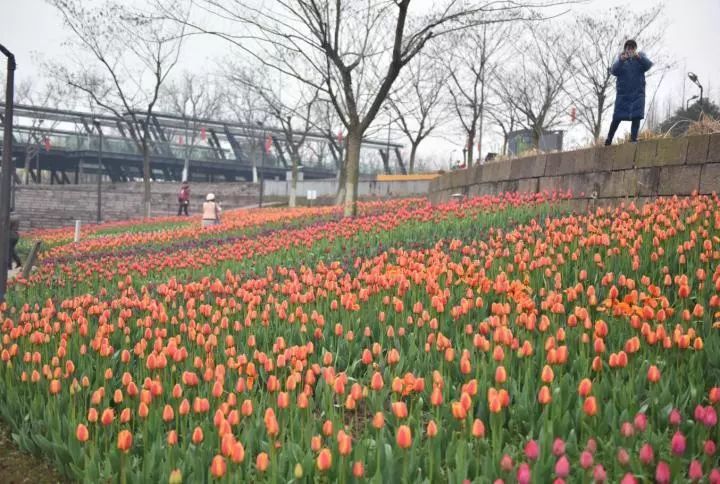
(262, 164)
(694, 78)
(96, 122)
(7, 171)
(387, 147)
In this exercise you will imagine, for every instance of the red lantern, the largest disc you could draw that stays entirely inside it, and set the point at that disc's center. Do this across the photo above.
(181, 140)
(268, 143)
(340, 136)
(573, 114)
(203, 134)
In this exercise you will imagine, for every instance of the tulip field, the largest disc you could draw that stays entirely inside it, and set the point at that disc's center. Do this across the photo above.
(501, 339)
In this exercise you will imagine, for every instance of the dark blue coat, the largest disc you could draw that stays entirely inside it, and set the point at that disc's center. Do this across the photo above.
(630, 98)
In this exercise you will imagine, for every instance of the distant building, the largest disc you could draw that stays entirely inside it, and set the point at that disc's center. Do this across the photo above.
(521, 141)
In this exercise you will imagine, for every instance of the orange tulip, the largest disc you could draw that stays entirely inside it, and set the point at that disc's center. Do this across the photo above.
(478, 429)
(378, 420)
(585, 387)
(653, 374)
(124, 440)
(107, 417)
(262, 461)
(399, 409)
(376, 383)
(197, 435)
(432, 429)
(344, 443)
(358, 469)
(404, 437)
(168, 413)
(218, 466)
(324, 460)
(81, 433)
(500, 374)
(544, 395)
(590, 406)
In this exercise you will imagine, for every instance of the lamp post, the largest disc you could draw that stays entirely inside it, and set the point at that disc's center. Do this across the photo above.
(387, 147)
(262, 164)
(99, 169)
(694, 78)
(7, 171)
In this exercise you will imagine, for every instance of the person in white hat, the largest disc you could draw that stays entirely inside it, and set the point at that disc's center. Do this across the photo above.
(211, 211)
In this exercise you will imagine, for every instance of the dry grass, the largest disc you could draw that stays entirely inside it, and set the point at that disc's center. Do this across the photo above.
(705, 125)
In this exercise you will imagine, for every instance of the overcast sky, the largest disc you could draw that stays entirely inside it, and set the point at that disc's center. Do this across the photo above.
(33, 30)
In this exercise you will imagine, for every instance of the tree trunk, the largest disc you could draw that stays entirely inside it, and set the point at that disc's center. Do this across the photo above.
(536, 133)
(480, 134)
(146, 179)
(413, 152)
(352, 171)
(470, 142)
(342, 176)
(293, 181)
(386, 161)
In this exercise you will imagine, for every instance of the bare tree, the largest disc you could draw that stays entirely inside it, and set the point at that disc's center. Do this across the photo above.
(534, 84)
(596, 42)
(417, 105)
(471, 58)
(128, 58)
(193, 98)
(503, 115)
(290, 106)
(351, 51)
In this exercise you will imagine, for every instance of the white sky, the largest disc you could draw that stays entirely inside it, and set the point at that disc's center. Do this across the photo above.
(33, 30)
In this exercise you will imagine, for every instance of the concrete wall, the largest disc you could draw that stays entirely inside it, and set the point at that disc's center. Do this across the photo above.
(48, 206)
(672, 166)
(366, 188)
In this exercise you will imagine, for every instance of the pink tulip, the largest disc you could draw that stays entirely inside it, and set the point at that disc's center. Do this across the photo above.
(558, 447)
(562, 467)
(531, 450)
(498, 481)
(696, 472)
(711, 417)
(559, 481)
(662, 473)
(626, 429)
(586, 460)
(647, 455)
(623, 457)
(591, 445)
(640, 422)
(506, 463)
(714, 477)
(628, 478)
(709, 448)
(599, 474)
(678, 443)
(675, 417)
(699, 413)
(523, 474)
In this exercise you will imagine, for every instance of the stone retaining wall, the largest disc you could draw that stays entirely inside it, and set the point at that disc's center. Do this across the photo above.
(49, 206)
(671, 166)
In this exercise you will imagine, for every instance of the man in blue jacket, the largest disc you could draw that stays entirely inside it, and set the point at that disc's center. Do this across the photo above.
(630, 69)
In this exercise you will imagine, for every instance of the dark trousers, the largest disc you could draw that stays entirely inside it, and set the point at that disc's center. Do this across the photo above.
(13, 254)
(634, 128)
(183, 208)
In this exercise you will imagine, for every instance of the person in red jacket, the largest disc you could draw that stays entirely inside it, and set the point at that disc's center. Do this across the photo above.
(184, 198)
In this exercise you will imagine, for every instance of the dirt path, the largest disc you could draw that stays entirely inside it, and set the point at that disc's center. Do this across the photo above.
(17, 467)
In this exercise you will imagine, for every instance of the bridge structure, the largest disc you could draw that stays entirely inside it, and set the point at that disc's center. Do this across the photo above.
(66, 145)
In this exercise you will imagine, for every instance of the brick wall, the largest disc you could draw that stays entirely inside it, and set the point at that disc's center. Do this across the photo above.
(672, 166)
(48, 206)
